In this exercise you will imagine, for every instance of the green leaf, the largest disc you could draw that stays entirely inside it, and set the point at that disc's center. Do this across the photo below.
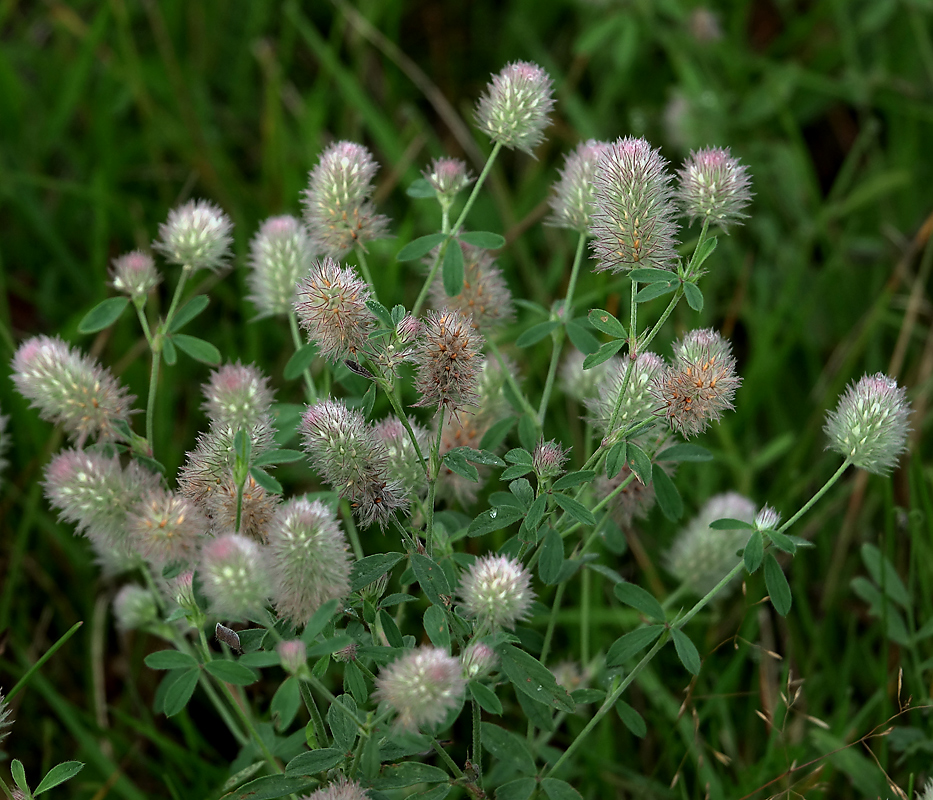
(368, 569)
(393, 634)
(522, 490)
(557, 789)
(672, 506)
(431, 577)
(486, 698)
(484, 239)
(531, 677)
(528, 431)
(197, 348)
(685, 452)
(381, 312)
(494, 519)
(232, 672)
(703, 252)
(623, 648)
(605, 352)
(884, 575)
(552, 557)
(278, 457)
(519, 789)
(754, 552)
(169, 659)
(271, 787)
(536, 333)
(260, 659)
(421, 189)
(439, 792)
(19, 775)
(777, 586)
(586, 696)
(582, 339)
(179, 693)
(314, 762)
(420, 247)
(495, 436)
(188, 312)
(354, 682)
(572, 479)
(686, 651)
(533, 519)
(456, 462)
(694, 296)
(636, 597)
(482, 456)
(519, 456)
(341, 724)
(301, 359)
(607, 323)
(653, 290)
(509, 748)
(638, 462)
(435, 626)
(615, 459)
(576, 509)
(320, 618)
(168, 351)
(728, 524)
(408, 773)
(266, 481)
(59, 774)
(631, 719)
(103, 315)
(782, 542)
(452, 269)
(651, 275)
(284, 704)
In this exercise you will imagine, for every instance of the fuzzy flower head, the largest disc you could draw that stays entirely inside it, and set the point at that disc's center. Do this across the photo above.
(633, 218)
(548, 459)
(870, 424)
(700, 384)
(713, 185)
(341, 789)
(196, 235)
(485, 295)
(496, 591)
(583, 384)
(449, 360)
(637, 402)
(5, 721)
(294, 655)
(134, 607)
(422, 686)
(237, 396)
(574, 193)
(478, 660)
(331, 307)
(700, 556)
(234, 576)
(279, 256)
(632, 502)
(448, 177)
(308, 559)
(337, 206)
(70, 389)
(514, 109)
(403, 461)
(165, 527)
(767, 519)
(134, 274)
(345, 452)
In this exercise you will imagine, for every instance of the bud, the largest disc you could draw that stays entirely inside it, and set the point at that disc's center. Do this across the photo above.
(485, 296)
(343, 449)
(714, 186)
(308, 559)
(631, 503)
(280, 254)
(637, 403)
(165, 528)
(234, 576)
(767, 519)
(496, 591)
(180, 590)
(422, 686)
(197, 236)
(70, 389)
(575, 193)
(237, 396)
(345, 654)
(403, 462)
(341, 789)
(700, 384)
(134, 274)
(478, 660)
(448, 177)
(331, 307)
(294, 656)
(700, 556)
(337, 206)
(870, 424)
(583, 384)
(449, 359)
(134, 607)
(548, 459)
(5, 721)
(633, 219)
(514, 109)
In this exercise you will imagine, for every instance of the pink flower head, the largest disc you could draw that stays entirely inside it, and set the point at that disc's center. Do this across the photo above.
(280, 255)
(341, 789)
(449, 177)
(715, 186)
(549, 459)
(574, 194)
(165, 527)
(237, 396)
(514, 110)
(196, 235)
(234, 576)
(496, 591)
(294, 655)
(134, 274)
(422, 686)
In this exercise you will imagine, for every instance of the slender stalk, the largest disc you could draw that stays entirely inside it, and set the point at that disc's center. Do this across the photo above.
(42, 659)
(433, 474)
(186, 271)
(310, 389)
(476, 758)
(445, 757)
(585, 615)
(400, 413)
(432, 273)
(239, 508)
(248, 724)
(352, 533)
(153, 388)
(552, 622)
(364, 267)
(510, 379)
(809, 504)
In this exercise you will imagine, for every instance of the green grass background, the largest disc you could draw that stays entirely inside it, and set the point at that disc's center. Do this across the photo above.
(111, 112)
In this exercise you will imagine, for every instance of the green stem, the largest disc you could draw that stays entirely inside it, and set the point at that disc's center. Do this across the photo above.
(510, 379)
(403, 417)
(433, 474)
(186, 271)
(477, 186)
(585, 615)
(432, 273)
(552, 622)
(364, 267)
(477, 756)
(248, 724)
(310, 389)
(806, 507)
(150, 402)
(42, 659)
(445, 757)
(352, 533)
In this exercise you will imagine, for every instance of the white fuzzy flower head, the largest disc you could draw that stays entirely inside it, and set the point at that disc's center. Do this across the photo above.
(574, 192)
(234, 576)
(280, 255)
(422, 686)
(341, 789)
(197, 236)
(767, 519)
(496, 591)
(514, 111)
(134, 607)
(5, 721)
(134, 274)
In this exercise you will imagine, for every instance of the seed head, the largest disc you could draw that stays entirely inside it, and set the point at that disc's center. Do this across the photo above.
(449, 177)
(699, 385)
(478, 660)
(403, 460)
(70, 389)
(422, 686)
(280, 254)
(331, 307)
(294, 655)
(134, 607)
(165, 527)
(485, 295)
(196, 235)
(633, 218)
(700, 556)
(337, 206)
(234, 576)
(496, 591)
(715, 186)
(767, 519)
(308, 559)
(514, 109)
(346, 454)
(583, 384)
(134, 274)
(637, 403)
(449, 359)
(548, 459)
(870, 424)
(5, 721)
(237, 396)
(574, 193)
(341, 789)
